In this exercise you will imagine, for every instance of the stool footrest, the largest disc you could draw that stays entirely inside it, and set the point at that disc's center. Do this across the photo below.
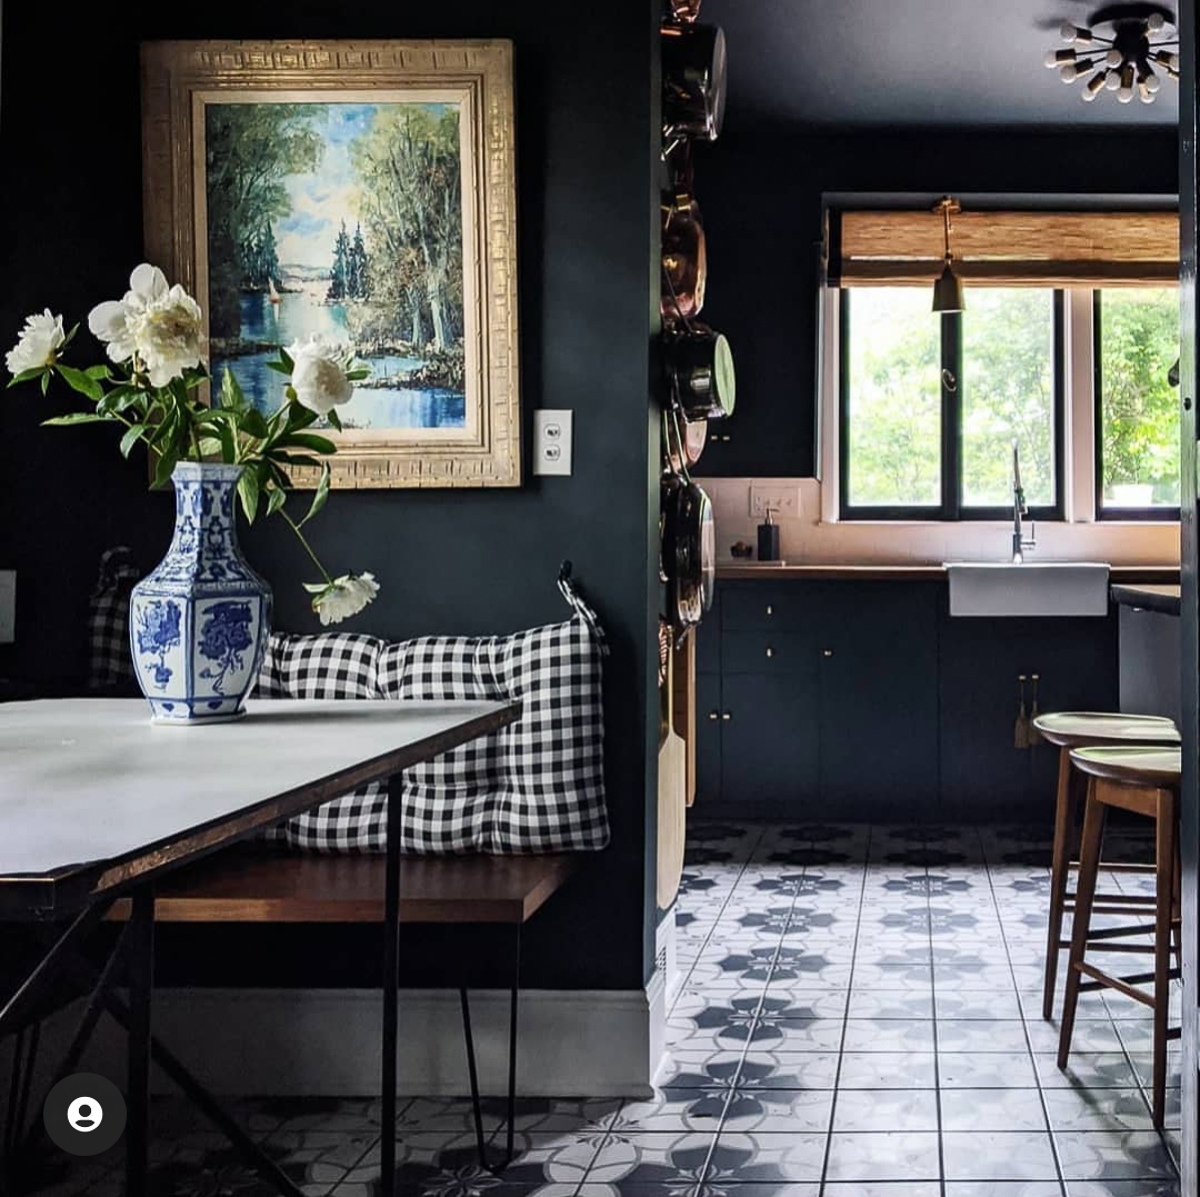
(1114, 900)
(1125, 985)
(1118, 867)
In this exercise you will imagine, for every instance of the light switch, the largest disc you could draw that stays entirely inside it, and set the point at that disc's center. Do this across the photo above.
(8, 606)
(552, 441)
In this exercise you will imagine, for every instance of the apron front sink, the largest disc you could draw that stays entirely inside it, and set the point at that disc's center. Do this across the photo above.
(1002, 588)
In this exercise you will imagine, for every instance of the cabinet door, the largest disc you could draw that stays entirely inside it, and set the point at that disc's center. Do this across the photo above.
(984, 776)
(879, 702)
(708, 740)
(769, 743)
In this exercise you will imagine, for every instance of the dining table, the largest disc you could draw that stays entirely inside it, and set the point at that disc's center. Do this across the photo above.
(97, 804)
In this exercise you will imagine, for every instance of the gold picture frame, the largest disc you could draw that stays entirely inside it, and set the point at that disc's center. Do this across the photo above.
(325, 119)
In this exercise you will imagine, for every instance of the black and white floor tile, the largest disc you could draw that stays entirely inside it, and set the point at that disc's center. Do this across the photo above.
(858, 1015)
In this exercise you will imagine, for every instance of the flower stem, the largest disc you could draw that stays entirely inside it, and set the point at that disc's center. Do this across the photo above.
(295, 527)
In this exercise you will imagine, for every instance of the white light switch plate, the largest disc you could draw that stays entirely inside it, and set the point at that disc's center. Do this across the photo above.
(552, 441)
(8, 606)
(784, 501)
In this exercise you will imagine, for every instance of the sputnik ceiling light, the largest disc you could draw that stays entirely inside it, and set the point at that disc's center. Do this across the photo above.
(1124, 48)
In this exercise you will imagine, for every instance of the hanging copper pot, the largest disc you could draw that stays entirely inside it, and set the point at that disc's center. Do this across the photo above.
(694, 83)
(699, 365)
(683, 440)
(689, 550)
(685, 10)
(684, 257)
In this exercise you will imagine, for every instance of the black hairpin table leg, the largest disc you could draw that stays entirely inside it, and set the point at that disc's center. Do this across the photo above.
(391, 992)
(141, 986)
(473, 1071)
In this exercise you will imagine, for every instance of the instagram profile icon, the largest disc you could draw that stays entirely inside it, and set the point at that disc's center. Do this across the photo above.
(84, 1114)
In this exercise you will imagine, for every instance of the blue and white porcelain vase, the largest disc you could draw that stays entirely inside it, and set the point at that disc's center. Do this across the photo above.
(198, 624)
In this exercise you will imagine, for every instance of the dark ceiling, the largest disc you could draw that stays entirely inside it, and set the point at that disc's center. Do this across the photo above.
(911, 62)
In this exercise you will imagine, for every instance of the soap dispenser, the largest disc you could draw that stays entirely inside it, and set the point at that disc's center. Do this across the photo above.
(768, 539)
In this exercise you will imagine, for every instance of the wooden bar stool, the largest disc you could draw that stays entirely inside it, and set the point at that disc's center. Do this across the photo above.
(1079, 729)
(1144, 780)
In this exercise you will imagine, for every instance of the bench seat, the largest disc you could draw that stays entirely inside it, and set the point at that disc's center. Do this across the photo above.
(258, 883)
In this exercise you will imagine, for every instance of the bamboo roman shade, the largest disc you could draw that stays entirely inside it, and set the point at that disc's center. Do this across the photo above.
(1055, 249)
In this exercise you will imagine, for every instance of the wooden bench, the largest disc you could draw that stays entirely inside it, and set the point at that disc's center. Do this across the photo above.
(264, 883)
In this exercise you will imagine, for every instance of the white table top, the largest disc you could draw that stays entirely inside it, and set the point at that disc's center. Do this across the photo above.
(93, 782)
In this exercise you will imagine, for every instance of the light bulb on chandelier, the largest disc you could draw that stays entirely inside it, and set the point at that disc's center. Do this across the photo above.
(1125, 42)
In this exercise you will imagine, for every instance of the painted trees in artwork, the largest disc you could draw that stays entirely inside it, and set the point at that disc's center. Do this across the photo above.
(349, 275)
(408, 171)
(250, 149)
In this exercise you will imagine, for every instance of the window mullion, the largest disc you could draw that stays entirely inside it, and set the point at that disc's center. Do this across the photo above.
(951, 382)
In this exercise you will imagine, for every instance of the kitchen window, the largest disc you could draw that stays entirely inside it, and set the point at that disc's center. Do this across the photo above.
(930, 406)
(1136, 345)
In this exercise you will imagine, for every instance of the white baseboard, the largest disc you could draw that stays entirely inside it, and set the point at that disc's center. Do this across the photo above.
(325, 1042)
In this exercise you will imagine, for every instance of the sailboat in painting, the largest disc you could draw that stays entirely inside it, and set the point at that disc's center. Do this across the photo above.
(272, 294)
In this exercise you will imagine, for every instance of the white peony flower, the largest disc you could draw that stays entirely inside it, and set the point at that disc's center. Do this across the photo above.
(319, 375)
(38, 345)
(343, 597)
(158, 325)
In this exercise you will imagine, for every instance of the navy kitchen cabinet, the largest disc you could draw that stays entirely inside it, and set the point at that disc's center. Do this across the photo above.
(866, 701)
(984, 777)
(879, 701)
(814, 700)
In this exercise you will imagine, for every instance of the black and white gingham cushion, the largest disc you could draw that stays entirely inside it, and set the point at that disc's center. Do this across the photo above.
(109, 663)
(535, 786)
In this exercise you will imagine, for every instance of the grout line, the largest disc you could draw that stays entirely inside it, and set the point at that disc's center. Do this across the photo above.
(837, 1078)
(1033, 1059)
(937, 1067)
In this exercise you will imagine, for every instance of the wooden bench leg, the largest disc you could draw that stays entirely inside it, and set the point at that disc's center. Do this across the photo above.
(1060, 869)
(1089, 865)
(1163, 918)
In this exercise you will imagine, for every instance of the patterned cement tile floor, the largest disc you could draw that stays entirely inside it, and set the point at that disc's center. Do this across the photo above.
(858, 1014)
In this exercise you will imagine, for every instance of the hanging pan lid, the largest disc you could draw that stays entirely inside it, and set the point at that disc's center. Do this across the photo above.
(699, 366)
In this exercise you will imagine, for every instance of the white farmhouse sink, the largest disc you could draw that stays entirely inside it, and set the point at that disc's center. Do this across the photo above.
(1031, 588)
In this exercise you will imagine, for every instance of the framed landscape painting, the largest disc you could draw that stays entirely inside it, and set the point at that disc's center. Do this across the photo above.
(361, 192)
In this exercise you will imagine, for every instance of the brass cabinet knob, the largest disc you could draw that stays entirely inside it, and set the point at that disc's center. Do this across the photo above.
(770, 652)
(726, 716)
(827, 652)
(714, 715)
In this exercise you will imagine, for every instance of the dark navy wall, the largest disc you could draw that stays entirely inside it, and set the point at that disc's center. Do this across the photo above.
(449, 561)
(760, 188)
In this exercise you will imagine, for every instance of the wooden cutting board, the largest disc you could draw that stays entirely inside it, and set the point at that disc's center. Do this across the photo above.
(672, 798)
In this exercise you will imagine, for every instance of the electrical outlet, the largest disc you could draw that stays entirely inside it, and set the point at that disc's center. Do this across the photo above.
(552, 441)
(784, 501)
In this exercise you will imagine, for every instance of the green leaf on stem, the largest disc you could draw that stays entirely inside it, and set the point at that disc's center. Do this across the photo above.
(131, 438)
(276, 499)
(254, 425)
(28, 375)
(77, 417)
(279, 367)
(164, 468)
(286, 359)
(359, 374)
(45, 382)
(232, 396)
(334, 419)
(248, 492)
(100, 373)
(79, 381)
(310, 441)
(321, 497)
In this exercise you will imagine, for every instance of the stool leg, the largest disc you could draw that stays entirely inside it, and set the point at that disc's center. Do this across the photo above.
(1089, 865)
(1064, 820)
(1164, 908)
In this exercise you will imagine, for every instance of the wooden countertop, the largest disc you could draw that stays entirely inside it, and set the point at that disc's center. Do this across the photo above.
(745, 571)
(1152, 598)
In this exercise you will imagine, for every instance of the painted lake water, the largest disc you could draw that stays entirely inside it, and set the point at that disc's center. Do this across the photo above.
(303, 314)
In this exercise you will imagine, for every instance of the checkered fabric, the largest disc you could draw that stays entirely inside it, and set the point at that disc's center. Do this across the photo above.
(110, 666)
(535, 786)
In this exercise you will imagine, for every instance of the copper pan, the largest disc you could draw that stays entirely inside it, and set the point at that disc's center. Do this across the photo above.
(684, 257)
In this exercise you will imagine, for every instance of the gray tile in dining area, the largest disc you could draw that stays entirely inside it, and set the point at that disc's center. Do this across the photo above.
(858, 1014)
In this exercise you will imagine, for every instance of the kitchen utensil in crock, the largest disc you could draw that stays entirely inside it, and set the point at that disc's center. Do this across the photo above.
(699, 365)
(694, 82)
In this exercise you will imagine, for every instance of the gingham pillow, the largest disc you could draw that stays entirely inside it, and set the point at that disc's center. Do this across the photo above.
(535, 786)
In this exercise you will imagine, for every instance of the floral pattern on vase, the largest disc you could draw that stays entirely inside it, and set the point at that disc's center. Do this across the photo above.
(199, 623)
